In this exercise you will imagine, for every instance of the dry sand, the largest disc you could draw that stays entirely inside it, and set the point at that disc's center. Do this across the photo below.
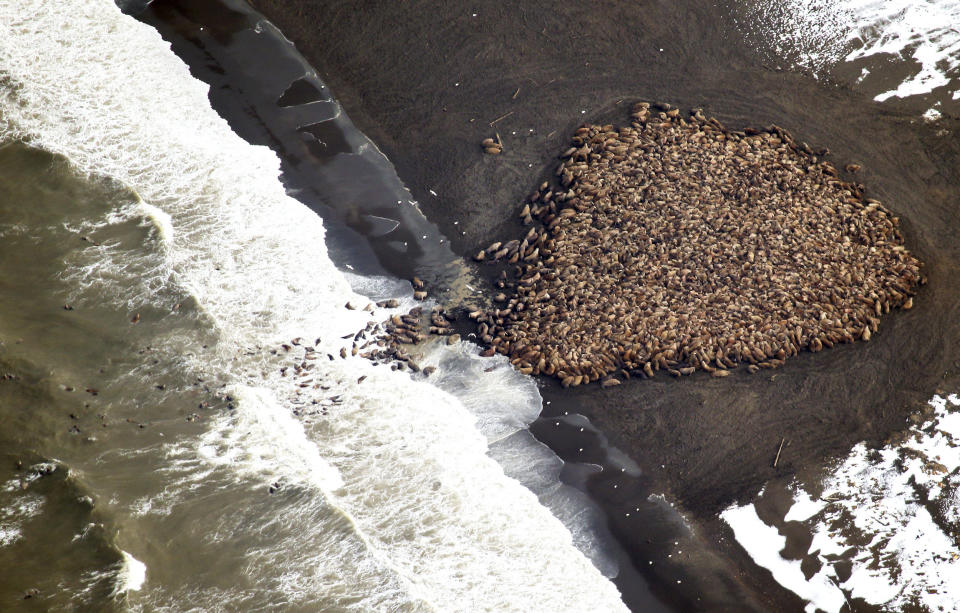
(426, 79)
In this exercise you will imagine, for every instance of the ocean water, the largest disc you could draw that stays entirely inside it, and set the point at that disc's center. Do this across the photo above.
(156, 458)
(157, 452)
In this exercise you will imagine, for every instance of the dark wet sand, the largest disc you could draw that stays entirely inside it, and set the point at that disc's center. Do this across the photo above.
(424, 80)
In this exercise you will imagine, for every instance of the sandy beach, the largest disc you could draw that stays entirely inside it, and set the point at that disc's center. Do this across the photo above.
(428, 81)
(252, 359)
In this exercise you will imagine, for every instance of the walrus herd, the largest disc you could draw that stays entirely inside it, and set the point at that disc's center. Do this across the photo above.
(675, 244)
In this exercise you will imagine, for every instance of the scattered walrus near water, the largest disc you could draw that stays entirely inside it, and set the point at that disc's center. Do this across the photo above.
(675, 244)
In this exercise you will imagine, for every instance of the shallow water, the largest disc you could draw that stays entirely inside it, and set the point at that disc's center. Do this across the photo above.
(78, 378)
(155, 269)
(215, 37)
(193, 475)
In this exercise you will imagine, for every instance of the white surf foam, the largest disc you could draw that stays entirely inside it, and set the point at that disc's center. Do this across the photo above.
(9, 534)
(435, 520)
(818, 34)
(22, 507)
(479, 384)
(132, 575)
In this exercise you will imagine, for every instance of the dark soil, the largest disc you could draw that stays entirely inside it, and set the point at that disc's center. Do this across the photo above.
(425, 79)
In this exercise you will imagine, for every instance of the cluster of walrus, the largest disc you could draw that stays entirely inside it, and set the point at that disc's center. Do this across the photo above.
(381, 343)
(675, 244)
(386, 339)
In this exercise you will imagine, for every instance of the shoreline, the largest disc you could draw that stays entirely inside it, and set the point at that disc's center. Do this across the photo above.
(896, 169)
(258, 102)
(704, 443)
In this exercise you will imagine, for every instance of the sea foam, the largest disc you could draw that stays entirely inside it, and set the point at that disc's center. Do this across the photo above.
(405, 510)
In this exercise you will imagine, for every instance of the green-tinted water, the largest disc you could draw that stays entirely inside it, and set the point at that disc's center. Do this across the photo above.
(82, 390)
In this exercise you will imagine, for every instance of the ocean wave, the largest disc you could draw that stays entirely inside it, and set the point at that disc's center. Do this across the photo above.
(399, 469)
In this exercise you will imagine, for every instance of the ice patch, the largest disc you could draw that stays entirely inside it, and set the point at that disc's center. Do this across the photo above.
(817, 35)
(764, 544)
(803, 507)
(890, 514)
